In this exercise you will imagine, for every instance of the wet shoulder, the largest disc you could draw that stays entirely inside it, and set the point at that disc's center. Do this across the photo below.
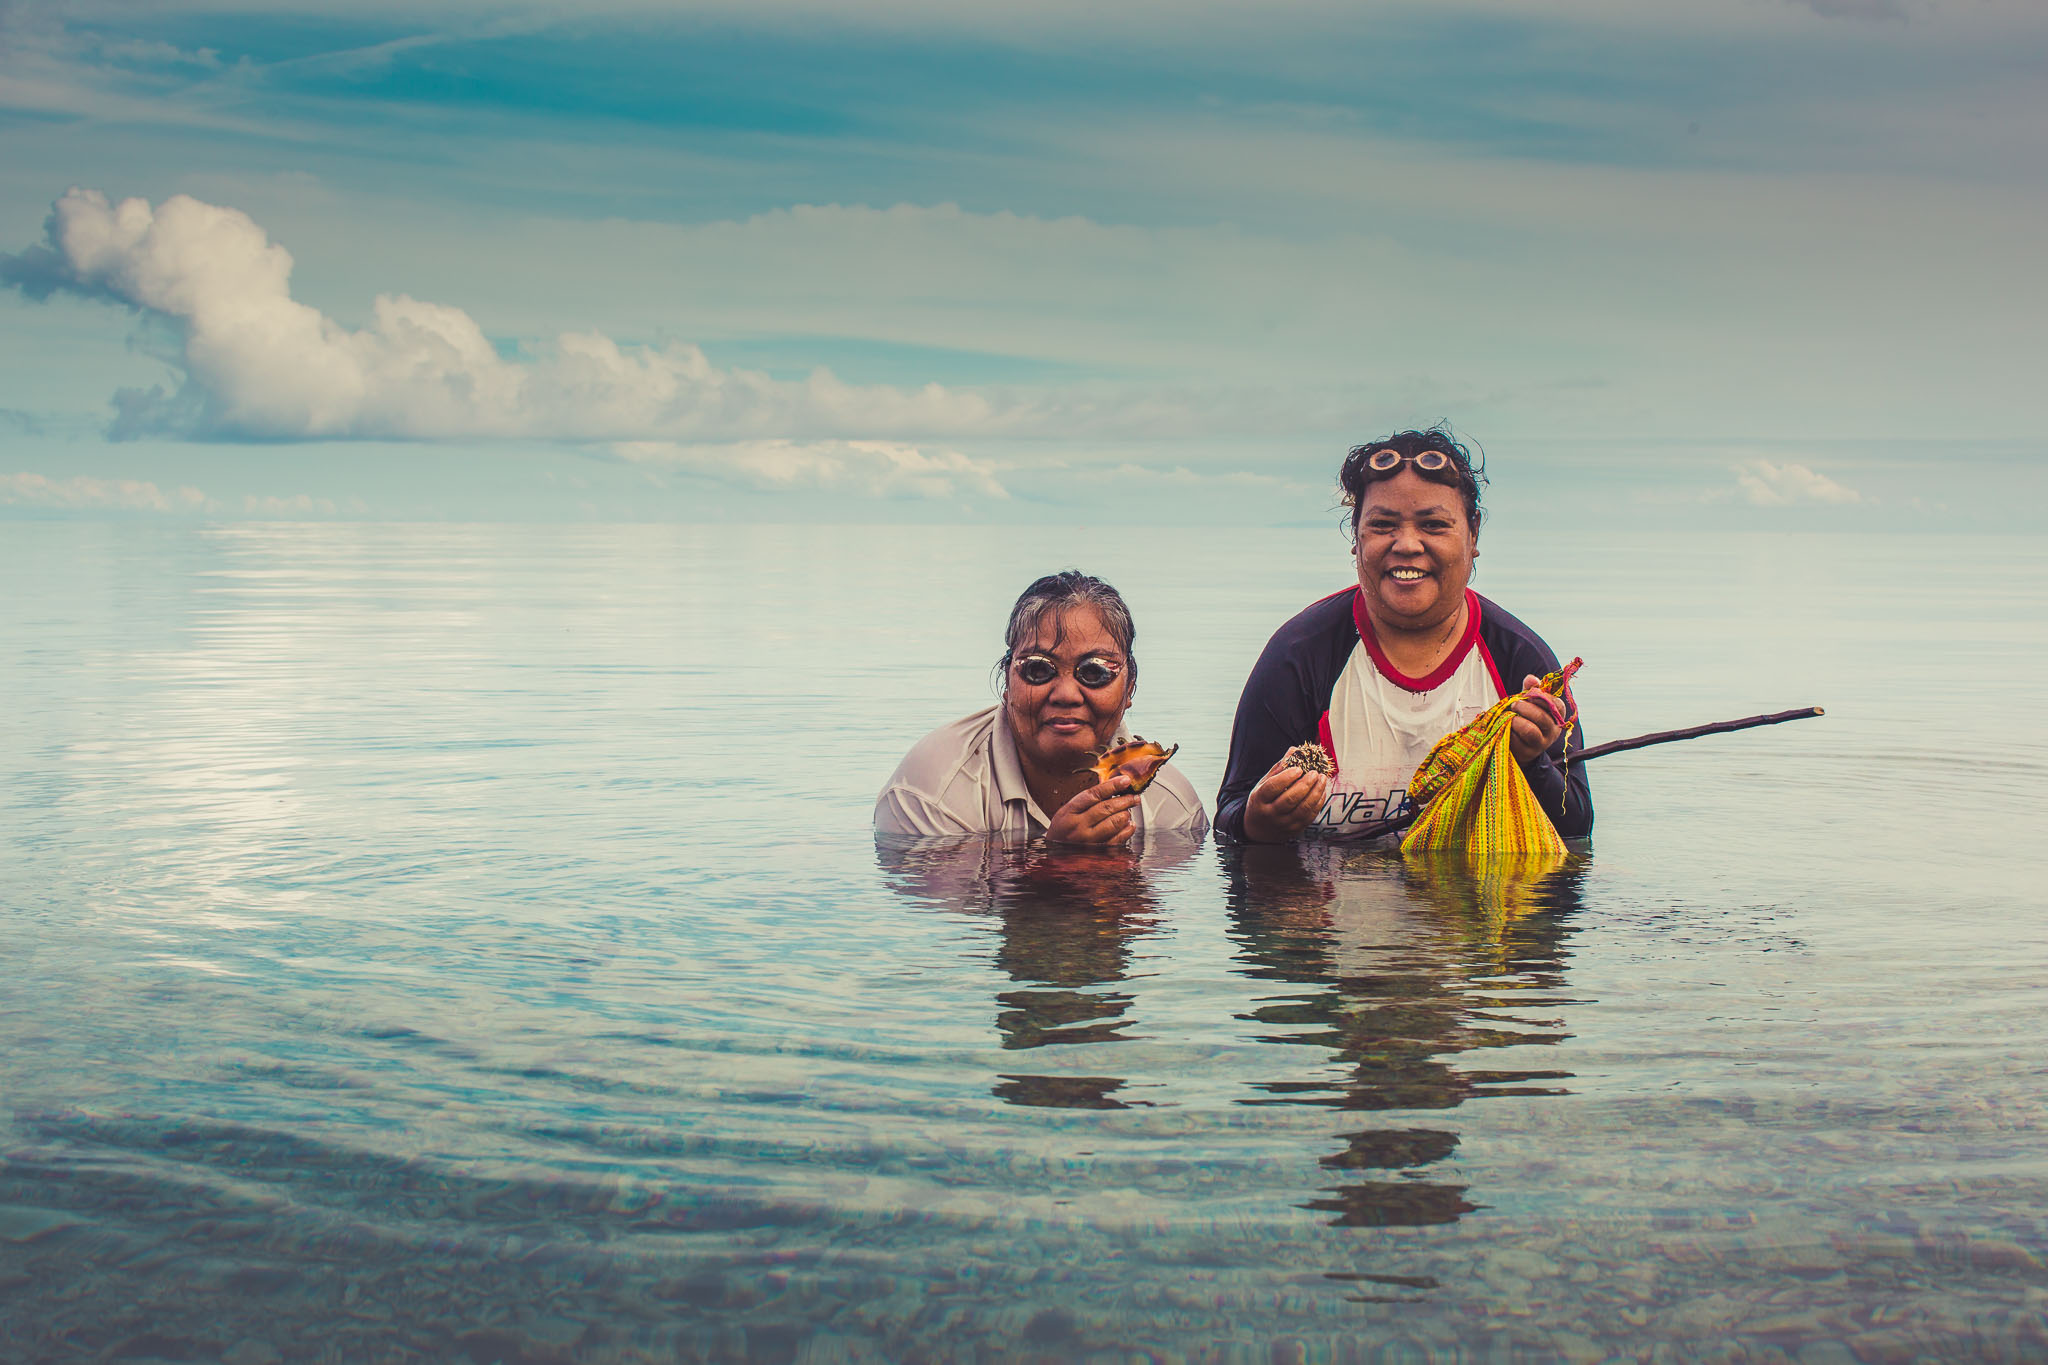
(935, 759)
(1171, 803)
(1511, 641)
(1317, 627)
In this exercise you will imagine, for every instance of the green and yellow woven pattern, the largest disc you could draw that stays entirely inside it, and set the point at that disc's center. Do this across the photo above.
(1473, 793)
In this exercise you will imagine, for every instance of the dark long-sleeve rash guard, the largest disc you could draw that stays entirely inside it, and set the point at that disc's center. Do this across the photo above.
(1287, 699)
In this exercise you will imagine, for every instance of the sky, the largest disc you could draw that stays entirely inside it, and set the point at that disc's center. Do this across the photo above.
(1721, 264)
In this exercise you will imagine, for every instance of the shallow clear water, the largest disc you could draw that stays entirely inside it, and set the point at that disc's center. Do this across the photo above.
(429, 942)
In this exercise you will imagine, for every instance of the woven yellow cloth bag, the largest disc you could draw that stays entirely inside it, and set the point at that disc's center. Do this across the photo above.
(1473, 793)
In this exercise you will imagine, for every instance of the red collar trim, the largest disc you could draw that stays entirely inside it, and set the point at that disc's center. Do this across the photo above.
(1438, 676)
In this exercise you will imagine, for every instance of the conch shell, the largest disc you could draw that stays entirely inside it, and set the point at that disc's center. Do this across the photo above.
(1138, 758)
(1310, 758)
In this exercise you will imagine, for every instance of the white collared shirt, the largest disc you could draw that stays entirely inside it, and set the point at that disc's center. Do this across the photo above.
(966, 778)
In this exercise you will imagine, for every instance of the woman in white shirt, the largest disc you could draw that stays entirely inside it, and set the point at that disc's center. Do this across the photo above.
(1023, 767)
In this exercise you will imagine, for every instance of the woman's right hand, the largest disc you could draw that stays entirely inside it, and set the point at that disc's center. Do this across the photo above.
(1283, 803)
(1099, 815)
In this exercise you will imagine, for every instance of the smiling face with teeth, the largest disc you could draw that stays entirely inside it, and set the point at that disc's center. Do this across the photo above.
(1414, 556)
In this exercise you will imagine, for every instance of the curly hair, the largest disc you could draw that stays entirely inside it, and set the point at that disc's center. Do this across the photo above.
(1462, 473)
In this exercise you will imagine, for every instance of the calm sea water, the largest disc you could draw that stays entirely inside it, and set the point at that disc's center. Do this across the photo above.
(456, 942)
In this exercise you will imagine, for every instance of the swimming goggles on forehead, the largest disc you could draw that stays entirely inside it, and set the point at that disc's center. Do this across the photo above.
(1036, 670)
(1385, 458)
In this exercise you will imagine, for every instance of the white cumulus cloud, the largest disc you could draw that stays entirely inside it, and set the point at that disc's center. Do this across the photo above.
(1769, 484)
(258, 364)
(83, 492)
(888, 469)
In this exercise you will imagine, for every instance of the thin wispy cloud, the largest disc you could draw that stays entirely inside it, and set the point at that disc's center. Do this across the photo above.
(299, 507)
(882, 469)
(82, 492)
(1866, 10)
(1767, 483)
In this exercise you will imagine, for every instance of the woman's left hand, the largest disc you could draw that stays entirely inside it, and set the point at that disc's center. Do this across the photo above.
(1099, 815)
(1539, 720)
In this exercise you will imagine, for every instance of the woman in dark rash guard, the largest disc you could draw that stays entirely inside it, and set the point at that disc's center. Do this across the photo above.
(1379, 672)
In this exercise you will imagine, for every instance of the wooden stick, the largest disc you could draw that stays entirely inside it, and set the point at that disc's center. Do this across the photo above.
(1719, 727)
(1617, 746)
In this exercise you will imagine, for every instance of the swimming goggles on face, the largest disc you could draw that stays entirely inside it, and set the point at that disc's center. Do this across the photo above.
(1036, 670)
(1385, 458)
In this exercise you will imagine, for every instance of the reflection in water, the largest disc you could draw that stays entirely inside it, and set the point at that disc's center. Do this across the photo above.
(1062, 1092)
(1068, 916)
(1408, 964)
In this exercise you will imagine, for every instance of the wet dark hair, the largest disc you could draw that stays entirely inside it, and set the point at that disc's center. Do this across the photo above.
(1051, 596)
(1461, 473)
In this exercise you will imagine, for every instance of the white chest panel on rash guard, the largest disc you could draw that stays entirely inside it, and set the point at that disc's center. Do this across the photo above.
(1380, 731)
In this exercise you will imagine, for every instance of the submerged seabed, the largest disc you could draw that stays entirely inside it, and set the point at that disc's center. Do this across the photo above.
(434, 943)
